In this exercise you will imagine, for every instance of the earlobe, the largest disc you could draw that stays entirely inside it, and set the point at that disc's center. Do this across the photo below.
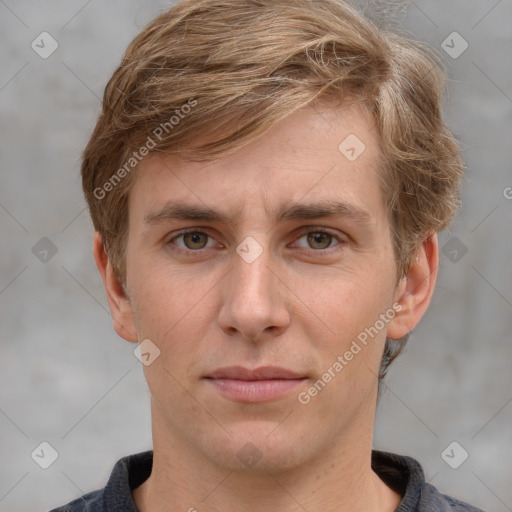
(415, 290)
(120, 306)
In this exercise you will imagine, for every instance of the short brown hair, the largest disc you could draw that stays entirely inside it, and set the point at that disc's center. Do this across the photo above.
(242, 65)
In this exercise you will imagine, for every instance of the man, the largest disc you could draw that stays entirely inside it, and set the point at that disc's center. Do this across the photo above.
(266, 181)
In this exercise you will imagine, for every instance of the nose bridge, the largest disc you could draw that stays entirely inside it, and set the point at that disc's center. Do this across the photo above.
(252, 280)
(252, 302)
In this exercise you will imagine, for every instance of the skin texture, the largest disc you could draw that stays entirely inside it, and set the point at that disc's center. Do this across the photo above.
(298, 305)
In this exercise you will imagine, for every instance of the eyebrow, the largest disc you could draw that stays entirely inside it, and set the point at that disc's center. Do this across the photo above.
(287, 212)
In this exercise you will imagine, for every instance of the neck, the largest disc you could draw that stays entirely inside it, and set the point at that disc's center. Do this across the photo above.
(339, 478)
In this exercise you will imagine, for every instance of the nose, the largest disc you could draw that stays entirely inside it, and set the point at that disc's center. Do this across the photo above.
(254, 299)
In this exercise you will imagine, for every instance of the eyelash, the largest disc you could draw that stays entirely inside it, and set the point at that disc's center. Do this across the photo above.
(319, 252)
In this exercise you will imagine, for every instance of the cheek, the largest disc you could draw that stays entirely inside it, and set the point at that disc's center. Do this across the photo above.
(172, 310)
(348, 357)
(172, 314)
(350, 309)
(344, 304)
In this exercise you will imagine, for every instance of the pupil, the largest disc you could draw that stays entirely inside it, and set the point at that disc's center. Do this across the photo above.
(316, 238)
(195, 238)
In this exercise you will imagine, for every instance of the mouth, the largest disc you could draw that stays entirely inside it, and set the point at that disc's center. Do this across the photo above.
(251, 386)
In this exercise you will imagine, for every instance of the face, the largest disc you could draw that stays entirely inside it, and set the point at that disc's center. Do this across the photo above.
(267, 282)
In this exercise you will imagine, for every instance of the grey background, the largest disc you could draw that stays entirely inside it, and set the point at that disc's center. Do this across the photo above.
(66, 378)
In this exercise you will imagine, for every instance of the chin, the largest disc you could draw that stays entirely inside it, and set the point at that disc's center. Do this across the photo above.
(256, 450)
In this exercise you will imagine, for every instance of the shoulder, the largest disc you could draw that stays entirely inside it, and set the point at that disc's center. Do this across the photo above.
(441, 502)
(433, 500)
(127, 474)
(405, 475)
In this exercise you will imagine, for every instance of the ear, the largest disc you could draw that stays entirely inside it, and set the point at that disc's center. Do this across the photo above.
(120, 306)
(415, 290)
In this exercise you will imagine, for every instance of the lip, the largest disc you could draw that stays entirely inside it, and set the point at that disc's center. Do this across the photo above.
(261, 373)
(258, 385)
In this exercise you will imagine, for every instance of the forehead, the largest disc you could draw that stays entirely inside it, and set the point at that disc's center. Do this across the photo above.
(314, 154)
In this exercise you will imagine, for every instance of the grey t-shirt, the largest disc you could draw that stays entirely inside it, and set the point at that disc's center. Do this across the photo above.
(403, 474)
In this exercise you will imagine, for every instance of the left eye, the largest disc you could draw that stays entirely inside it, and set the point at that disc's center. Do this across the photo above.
(319, 239)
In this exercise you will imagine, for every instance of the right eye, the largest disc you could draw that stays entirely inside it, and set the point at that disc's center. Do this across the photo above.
(190, 241)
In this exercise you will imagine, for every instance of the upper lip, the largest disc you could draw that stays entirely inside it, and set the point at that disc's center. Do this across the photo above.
(261, 373)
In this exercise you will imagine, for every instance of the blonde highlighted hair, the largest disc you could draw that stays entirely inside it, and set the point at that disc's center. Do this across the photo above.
(246, 64)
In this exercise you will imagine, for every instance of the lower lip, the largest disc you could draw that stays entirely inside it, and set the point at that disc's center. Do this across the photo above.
(254, 390)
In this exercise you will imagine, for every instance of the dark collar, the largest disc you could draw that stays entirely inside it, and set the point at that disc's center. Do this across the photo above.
(403, 474)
